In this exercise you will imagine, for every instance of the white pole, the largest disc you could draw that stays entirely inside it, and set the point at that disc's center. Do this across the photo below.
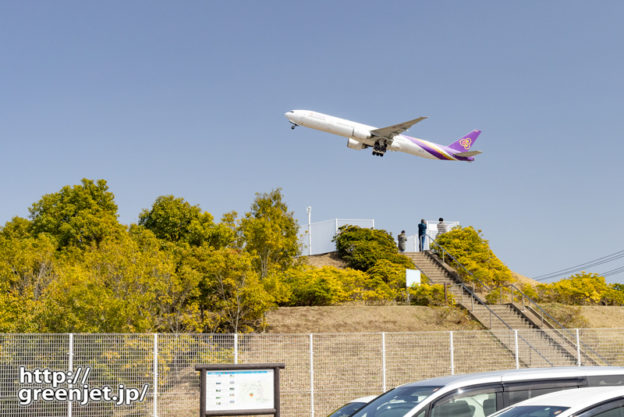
(235, 348)
(578, 347)
(383, 360)
(516, 342)
(71, 368)
(155, 382)
(452, 354)
(309, 230)
(311, 376)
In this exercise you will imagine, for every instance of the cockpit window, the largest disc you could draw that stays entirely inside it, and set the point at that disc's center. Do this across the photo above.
(397, 402)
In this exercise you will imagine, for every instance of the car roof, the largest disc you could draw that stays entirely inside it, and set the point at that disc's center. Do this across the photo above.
(577, 398)
(517, 375)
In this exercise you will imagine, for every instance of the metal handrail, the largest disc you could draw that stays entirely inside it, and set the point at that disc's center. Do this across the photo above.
(433, 241)
(480, 301)
(532, 302)
(568, 334)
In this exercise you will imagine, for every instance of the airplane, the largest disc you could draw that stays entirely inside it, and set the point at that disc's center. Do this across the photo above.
(360, 136)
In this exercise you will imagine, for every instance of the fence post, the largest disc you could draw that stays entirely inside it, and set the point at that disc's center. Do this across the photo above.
(452, 353)
(311, 376)
(517, 353)
(155, 382)
(578, 347)
(383, 360)
(235, 348)
(71, 369)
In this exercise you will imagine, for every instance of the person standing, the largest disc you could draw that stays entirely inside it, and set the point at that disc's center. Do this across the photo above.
(422, 233)
(402, 239)
(441, 227)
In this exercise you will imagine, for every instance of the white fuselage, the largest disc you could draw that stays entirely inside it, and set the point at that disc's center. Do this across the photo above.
(356, 132)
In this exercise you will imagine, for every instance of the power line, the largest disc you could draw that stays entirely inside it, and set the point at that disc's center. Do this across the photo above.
(580, 267)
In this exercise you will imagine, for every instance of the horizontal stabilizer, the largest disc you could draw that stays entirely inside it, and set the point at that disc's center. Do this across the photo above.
(391, 131)
(469, 153)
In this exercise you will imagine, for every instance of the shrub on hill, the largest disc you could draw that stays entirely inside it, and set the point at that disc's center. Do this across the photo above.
(361, 247)
(470, 249)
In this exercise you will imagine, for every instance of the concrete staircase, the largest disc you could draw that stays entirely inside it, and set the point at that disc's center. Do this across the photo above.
(537, 346)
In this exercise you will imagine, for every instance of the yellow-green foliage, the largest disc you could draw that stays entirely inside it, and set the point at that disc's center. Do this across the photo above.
(581, 289)
(309, 286)
(430, 295)
(472, 251)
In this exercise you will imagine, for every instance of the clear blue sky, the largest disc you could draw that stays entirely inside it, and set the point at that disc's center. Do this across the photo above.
(187, 98)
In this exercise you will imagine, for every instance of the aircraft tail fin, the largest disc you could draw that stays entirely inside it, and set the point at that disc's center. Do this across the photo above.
(465, 143)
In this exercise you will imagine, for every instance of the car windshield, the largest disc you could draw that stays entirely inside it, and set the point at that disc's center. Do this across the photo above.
(347, 409)
(397, 402)
(531, 411)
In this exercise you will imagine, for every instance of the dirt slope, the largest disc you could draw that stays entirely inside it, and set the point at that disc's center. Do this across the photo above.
(359, 318)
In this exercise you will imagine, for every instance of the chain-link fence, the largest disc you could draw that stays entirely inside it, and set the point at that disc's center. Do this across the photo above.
(322, 372)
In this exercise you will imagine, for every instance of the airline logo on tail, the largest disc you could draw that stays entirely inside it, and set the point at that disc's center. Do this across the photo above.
(466, 143)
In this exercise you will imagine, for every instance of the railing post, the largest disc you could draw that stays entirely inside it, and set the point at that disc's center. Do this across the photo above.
(383, 360)
(311, 376)
(235, 348)
(452, 352)
(578, 348)
(71, 369)
(155, 382)
(517, 353)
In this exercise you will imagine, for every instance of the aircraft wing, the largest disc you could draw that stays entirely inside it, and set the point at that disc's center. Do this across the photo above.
(391, 131)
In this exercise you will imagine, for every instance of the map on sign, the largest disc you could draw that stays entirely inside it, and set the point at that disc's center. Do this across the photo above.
(239, 390)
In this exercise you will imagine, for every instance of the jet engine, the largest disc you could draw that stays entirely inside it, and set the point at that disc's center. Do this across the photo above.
(361, 134)
(354, 144)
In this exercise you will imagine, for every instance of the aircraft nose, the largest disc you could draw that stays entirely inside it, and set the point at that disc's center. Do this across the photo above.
(289, 115)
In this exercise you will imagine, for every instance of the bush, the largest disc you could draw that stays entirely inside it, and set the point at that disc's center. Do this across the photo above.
(361, 248)
(430, 295)
(471, 250)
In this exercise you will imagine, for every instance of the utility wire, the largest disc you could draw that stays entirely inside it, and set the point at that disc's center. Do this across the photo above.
(595, 262)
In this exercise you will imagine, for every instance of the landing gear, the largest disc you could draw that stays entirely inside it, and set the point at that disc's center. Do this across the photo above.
(380, 148)
(293, 126)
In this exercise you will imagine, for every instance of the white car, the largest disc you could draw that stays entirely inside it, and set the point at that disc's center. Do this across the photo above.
(352, 406)
(580, 402)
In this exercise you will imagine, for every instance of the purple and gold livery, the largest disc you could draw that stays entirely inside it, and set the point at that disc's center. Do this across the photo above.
(360, 136)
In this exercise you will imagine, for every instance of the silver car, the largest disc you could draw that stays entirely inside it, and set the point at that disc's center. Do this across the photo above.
(479, 395)
(582, 402)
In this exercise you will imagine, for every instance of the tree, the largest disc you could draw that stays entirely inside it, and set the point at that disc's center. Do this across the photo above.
(176, 220)
(232, 297)
(269, 232)
(361, 247)
(77, 216)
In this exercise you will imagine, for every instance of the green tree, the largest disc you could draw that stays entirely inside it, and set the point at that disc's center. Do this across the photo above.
(361, 247)
(269, 232)
(176, 220)
(78, 216)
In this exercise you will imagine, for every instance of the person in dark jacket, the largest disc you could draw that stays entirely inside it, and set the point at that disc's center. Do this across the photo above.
(402, 239)
(422, 233)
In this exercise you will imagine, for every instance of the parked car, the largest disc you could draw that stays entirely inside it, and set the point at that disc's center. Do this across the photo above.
(351, 407)
(484, 393)
(582, 402)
